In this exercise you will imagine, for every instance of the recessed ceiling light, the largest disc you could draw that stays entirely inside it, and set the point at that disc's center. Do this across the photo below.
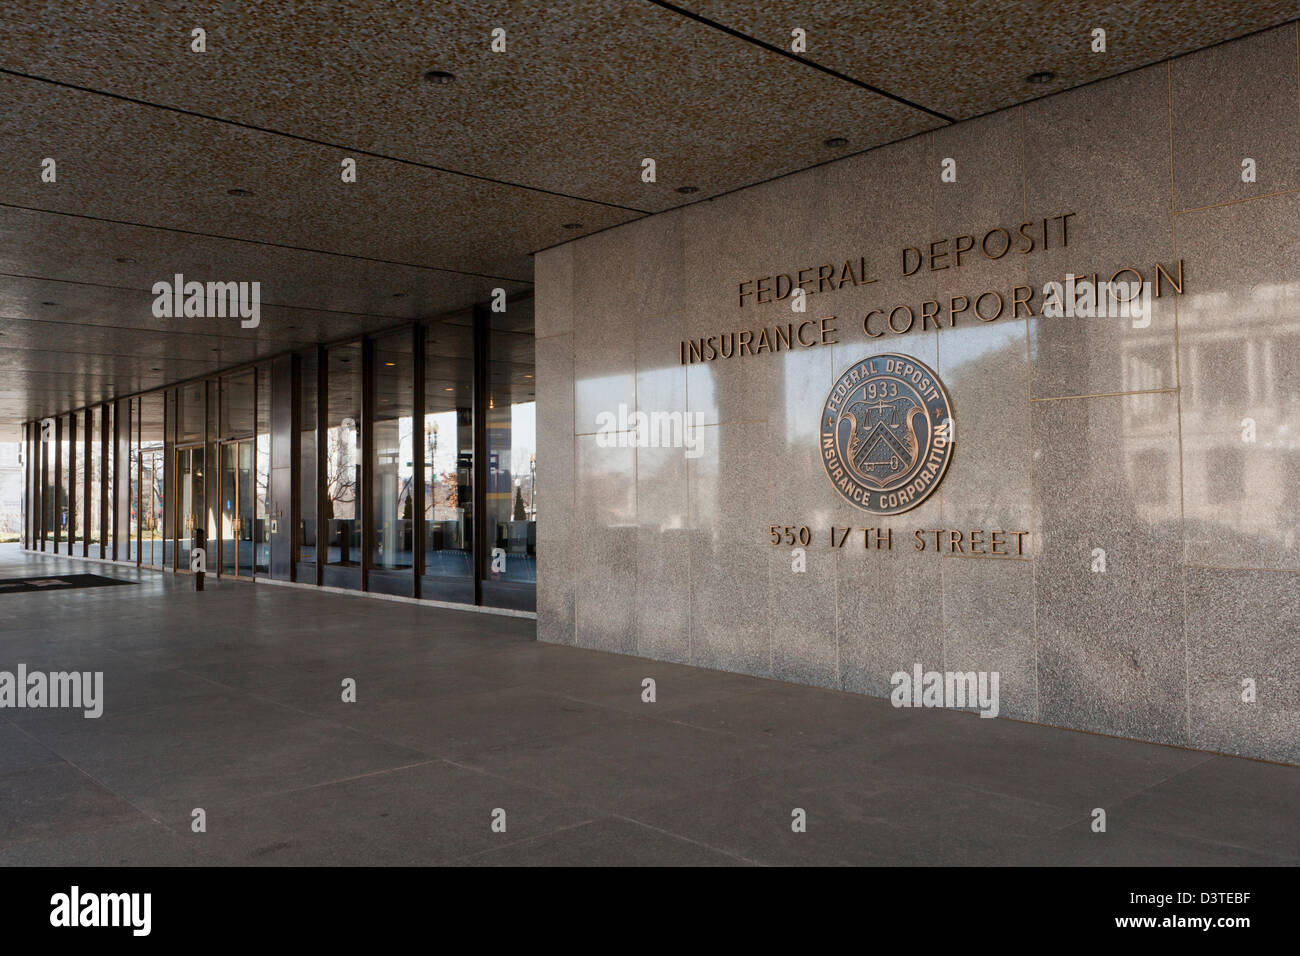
(237, 191)
(527, 376)
(391, 364)
(835, 142)
(439, 76)
(1042, 76)
(573, 225)
(449, 390)
(687, 190)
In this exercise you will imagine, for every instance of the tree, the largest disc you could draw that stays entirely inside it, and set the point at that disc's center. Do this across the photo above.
(519, 504)
(340, 472)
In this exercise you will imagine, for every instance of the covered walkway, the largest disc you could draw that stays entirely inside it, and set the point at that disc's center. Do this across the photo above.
(231, 701)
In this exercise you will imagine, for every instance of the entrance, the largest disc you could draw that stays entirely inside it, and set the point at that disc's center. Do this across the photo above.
(238, 514)
(189, 503)
(153, 528)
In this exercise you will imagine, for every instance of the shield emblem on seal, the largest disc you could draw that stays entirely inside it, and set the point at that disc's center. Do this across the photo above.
(885, 437)
(883, 446)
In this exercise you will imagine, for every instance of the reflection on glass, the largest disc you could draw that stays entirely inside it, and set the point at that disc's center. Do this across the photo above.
(48, 455)
(512, 457)
(133, 488)
(192, 400)
(238, 511)
(152, 478)
(263, 504)
(237, 420)
(447, 442)
(80, 518)
(307, 458)
(229, 507)
(106, 476)
(394, 470)
(94, 526)
(343, 456)
(248, 494)
(65, 528)
(189, 502)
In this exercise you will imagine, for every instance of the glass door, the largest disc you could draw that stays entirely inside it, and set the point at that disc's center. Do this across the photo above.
(247, 511)
(189, 502)
(238, 514)
(151, 507)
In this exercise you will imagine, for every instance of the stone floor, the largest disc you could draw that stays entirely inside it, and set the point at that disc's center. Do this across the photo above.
(230, 701)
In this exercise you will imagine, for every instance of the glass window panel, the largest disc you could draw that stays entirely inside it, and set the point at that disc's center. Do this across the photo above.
(191, 414)
(447, 442)
(229, 545)
(511, 447)
(189, 497)
(307, 459)
(343, 456)
(197, 521)
(66, 515)
(394, 468)
(214, 409)
(93, 464)
(133, 490)
(29, 500)
(152, 479)
(77, 483)
(49, 499)
(237, 410)
(262, 477)
(106, 476)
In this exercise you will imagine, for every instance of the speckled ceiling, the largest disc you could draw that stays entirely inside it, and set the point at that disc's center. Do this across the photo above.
(458, 183)
(964, 58)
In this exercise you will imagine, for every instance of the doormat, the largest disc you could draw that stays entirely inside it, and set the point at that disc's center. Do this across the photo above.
(57, 582)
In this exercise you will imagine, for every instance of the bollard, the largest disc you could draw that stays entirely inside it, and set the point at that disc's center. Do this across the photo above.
(199, 558)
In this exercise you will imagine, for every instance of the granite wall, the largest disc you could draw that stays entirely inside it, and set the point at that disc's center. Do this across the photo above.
(1100, 433)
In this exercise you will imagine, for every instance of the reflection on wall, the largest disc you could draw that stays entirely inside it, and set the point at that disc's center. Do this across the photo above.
(1240, 398)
